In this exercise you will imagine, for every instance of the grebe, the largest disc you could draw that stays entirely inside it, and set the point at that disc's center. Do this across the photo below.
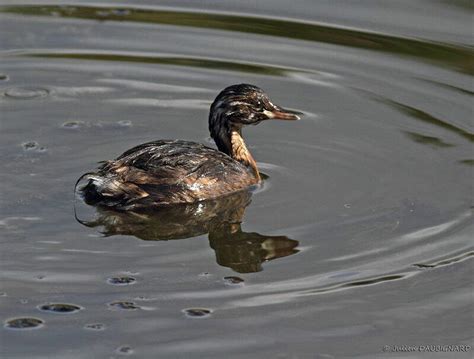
(175, 171)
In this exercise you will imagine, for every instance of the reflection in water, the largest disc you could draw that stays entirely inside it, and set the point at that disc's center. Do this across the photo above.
(448, 86)
(457, 57)
(420, 116)
(445, 262)
(357, 283)
(244, 252)
(426, 117)
(169, 60)
(427, 140)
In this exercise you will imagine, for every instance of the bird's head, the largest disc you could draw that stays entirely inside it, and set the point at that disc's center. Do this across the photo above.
(240, 105)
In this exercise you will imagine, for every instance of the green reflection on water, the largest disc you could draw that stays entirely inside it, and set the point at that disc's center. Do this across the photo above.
(426, 117)
(449, 87)
(446, 261)
(464, 4)
(358, 283)
(176, 61)
(427, 140)
(457, 57)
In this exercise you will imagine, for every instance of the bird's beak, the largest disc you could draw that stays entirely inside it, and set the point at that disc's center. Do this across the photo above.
(278, 113)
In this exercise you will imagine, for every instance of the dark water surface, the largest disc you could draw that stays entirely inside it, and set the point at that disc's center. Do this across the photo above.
(360, 238)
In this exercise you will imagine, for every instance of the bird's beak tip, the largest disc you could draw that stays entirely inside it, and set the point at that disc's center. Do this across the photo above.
(283, 114)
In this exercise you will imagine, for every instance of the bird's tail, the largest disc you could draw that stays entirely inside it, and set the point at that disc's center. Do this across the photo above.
(90, 191)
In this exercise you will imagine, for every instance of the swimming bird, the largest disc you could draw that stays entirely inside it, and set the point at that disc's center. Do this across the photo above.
(168, 172)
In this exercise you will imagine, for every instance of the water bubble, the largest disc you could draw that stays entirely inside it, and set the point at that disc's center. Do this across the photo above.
(60, 308)
(26, 93)
(124, 350)
(33, 146)
(30, 145)
(124, 305)
(197, 312)
(73, 125)
(125, 123)
(95, 326)
(124, 280)
(24, 323)
(233, 280)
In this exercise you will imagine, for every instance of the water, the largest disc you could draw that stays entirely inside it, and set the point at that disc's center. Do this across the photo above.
(360, 238)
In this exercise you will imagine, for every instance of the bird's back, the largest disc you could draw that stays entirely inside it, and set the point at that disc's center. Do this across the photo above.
(166, 172)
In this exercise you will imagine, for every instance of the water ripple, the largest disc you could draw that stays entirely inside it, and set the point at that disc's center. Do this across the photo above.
(457, 57)
(446, 262)
(436, 230)
(199, 62)
(178, 103)
(26, 93)
(153, 86)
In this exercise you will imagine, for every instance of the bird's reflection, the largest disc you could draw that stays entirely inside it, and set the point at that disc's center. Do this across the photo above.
(221, 218)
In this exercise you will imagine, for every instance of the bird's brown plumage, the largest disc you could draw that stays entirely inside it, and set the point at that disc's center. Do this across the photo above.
(176, 171)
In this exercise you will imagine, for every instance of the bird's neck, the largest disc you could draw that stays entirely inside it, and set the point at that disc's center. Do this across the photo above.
(228, 139)
(239, 151)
